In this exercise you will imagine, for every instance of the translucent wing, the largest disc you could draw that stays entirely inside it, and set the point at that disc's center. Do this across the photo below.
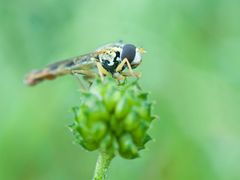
(84, 62)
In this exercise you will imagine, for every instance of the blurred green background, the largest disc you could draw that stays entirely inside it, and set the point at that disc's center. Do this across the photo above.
(192, 70)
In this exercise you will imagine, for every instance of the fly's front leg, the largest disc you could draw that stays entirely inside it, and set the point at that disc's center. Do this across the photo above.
(120, 66)
(130, 73)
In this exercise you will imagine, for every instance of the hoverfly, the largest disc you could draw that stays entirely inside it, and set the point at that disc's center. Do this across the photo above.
(109, 59)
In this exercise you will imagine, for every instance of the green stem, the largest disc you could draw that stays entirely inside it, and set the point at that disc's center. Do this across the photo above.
(102, 165)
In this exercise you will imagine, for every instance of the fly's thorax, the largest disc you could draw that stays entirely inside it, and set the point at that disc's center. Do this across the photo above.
(107, 56)
(110, 59)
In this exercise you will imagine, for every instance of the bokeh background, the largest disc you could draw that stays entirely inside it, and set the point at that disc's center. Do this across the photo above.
(192, 70)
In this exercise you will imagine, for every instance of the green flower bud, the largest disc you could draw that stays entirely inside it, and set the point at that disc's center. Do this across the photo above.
(111, 98)
(131, 121)
(113, 118)
(123, 107)
(127, 148)
(139, 134)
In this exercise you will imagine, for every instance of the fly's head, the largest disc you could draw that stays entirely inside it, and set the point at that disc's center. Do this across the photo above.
(133, 54)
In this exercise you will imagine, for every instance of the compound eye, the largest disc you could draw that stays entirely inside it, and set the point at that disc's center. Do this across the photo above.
(129, 52)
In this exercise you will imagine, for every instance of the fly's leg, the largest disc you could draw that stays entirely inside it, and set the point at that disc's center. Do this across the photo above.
(101, 70)
(118, 76)
(120, 66)
(89, 80)
(135, 74)
(130, 73)
(80, 81)
(84, 72)
(87, 76)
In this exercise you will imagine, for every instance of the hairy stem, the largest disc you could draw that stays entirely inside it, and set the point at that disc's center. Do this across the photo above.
(102, 165)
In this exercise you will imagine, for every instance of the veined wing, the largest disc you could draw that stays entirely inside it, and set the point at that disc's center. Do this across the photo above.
(84, 62)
